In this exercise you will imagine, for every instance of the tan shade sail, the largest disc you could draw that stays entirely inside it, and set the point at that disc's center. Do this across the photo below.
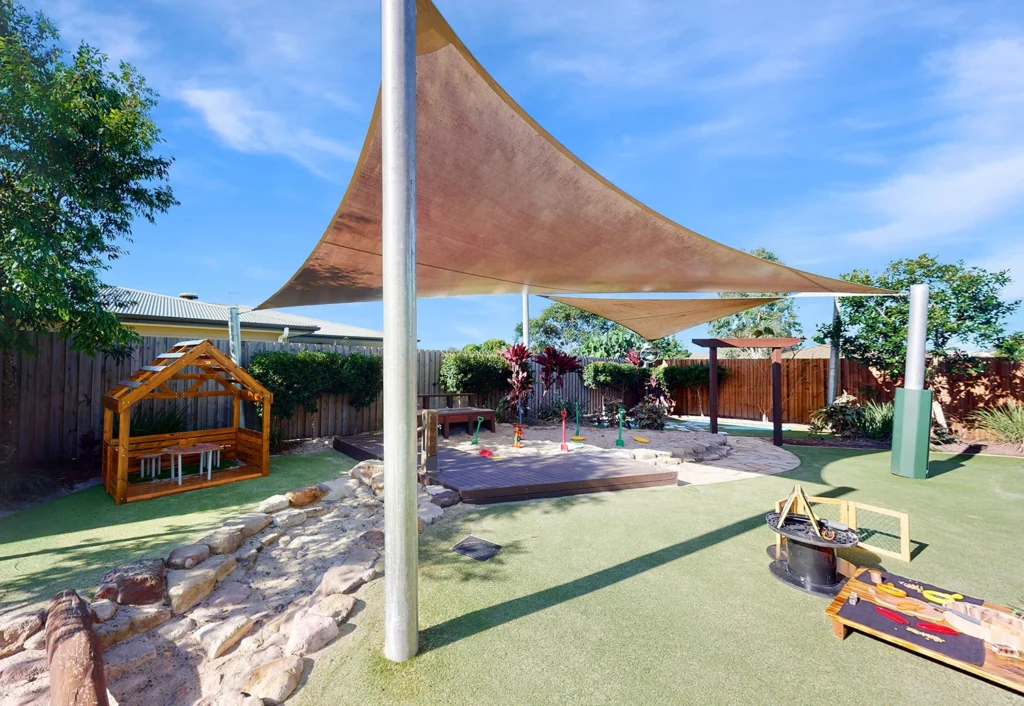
(655, 318)
(502, 207)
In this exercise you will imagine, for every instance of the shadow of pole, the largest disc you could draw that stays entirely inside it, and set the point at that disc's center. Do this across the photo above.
(484, 619)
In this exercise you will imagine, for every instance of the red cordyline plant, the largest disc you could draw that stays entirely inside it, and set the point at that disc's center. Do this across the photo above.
(520, 382)
(633, 357)
(554, 365)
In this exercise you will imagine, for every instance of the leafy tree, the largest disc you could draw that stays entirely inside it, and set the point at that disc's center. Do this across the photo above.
(77, 168)
(965, 307)
(1012, 347)
(491, 345)
(479, 373)
(582, 333)
(774, 320)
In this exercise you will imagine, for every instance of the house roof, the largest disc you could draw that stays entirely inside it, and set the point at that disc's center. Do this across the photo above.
(135, 305)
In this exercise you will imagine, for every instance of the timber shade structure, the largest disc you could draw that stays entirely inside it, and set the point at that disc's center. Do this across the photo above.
(776, 344)
(502, 208)
(656, 318)
(122, 453)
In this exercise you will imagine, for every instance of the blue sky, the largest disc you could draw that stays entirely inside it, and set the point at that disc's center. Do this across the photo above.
(839, 134)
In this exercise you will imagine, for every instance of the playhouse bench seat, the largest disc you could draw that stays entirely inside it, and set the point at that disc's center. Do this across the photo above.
(464, 415)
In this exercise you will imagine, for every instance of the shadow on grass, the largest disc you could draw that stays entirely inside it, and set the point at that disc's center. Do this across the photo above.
(478, 621)
(938, 468)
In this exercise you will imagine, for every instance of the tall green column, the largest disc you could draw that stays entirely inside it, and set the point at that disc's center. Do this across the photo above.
(910, 433)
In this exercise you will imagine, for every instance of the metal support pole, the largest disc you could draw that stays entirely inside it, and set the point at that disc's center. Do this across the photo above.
(713, 388)
(913, 378)
(526, 319)
(834, 353)
(235, 350)
(398, 161)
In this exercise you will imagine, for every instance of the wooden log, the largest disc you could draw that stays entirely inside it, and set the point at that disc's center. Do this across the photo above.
(73, 651)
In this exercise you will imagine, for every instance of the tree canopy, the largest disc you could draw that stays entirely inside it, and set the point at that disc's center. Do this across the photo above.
(581, 333)
(491, 345)
(965, 309)
(77, 168)
(774, 320)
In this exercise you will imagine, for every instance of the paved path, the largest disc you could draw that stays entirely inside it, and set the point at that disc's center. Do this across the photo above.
(751, 457)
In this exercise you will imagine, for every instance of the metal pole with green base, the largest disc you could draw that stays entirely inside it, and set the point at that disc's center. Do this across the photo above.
(912, 419)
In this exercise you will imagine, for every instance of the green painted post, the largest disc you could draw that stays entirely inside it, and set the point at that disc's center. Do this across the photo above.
(622, 418)
(911, 431)
(577, 419)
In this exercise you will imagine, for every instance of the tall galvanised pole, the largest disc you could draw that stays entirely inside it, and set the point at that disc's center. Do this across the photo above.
(398, 159)
(526, 318)
(235, 349)
(833, 353)
(913, 413)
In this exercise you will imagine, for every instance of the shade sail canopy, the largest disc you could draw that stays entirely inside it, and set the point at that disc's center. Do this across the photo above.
(503, 207)
(655, 318)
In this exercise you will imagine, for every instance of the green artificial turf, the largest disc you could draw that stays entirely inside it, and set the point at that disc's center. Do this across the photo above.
(663, 596)
(72, 541)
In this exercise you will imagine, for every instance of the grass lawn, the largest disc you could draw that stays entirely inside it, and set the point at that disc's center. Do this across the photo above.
(72, 541)
(663, 596)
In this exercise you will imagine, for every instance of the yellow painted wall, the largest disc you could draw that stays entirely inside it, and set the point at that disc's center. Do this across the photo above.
(200, 332)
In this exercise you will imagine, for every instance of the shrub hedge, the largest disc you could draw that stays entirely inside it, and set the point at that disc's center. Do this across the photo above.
(609, 374)
(672, 378)
(300, 378)
(479, 373)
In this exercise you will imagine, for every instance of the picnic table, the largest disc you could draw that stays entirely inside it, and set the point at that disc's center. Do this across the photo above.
(206, 453)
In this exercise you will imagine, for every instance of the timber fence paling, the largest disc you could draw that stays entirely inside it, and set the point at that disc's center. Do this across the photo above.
(59, 411)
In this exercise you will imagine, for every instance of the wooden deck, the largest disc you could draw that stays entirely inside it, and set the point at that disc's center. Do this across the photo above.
(483, 480)
(154, 489)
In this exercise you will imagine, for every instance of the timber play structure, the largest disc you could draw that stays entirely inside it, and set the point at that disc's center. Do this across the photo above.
(124, 454)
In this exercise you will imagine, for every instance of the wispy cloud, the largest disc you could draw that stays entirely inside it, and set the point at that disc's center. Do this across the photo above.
(246, 128)
(974, 171)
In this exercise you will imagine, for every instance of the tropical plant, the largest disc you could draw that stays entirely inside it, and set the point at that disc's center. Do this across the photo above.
(520, 380)
(649, 414)
(844, 417)
(633, 357)
(877, 420)
(1004, 421)
(479, 373)
(555, 365)
(552, 410)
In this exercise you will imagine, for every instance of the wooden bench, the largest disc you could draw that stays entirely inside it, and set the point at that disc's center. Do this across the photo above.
(448, 415)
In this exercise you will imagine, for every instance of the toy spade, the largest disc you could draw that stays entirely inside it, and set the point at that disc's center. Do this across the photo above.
(622, 418)
(565, 446)
(577, 437)
(479, 421)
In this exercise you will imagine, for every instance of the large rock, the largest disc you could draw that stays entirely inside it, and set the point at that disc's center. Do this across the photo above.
(18, 628)
(76, 662)
(275, 681)
(338, 606)
(251, 524)
(373, 539)
(225, 540)
(305, 496)
(444, 498)
(275, 503)
(187, 556)
(188, 588)
(21, 668)
(137, 583)
(146, 619)
(103, 610)
(310, 633)
(218, 638)
(429, 512)
(352, 573)
(315, 511)
(221, 566)
(643, 454)
(230, 593)
(340, 489)
(377, 481)
(176, 630)
(128, 656)
(289, 518)
(270, 538)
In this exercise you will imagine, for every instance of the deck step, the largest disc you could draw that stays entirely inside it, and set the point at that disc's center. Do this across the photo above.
(170, 355)
(153, 368)
(130, 383)
(179, 344)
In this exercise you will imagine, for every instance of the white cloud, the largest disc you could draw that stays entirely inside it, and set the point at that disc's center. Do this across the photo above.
(119, 36)
(246, 128)
(974, 171)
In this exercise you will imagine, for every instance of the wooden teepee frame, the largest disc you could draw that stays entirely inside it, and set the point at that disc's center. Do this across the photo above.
(152, 382)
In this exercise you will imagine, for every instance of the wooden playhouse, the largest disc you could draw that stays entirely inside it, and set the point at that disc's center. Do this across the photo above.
(168, 378)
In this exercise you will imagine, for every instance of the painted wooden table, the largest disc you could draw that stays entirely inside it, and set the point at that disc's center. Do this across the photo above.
(206, 454)
(1005, 671)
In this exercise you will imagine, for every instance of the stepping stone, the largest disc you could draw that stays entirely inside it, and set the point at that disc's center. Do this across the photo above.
(251, 524)
(275, 681)
(218, 638)
(187, 556)
(275, 503)
(186, 588)
(289, 518)
(311, 633)
(136, 583)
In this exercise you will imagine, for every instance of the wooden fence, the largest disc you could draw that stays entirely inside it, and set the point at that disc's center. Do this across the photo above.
(59, 415)
(745, 393)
